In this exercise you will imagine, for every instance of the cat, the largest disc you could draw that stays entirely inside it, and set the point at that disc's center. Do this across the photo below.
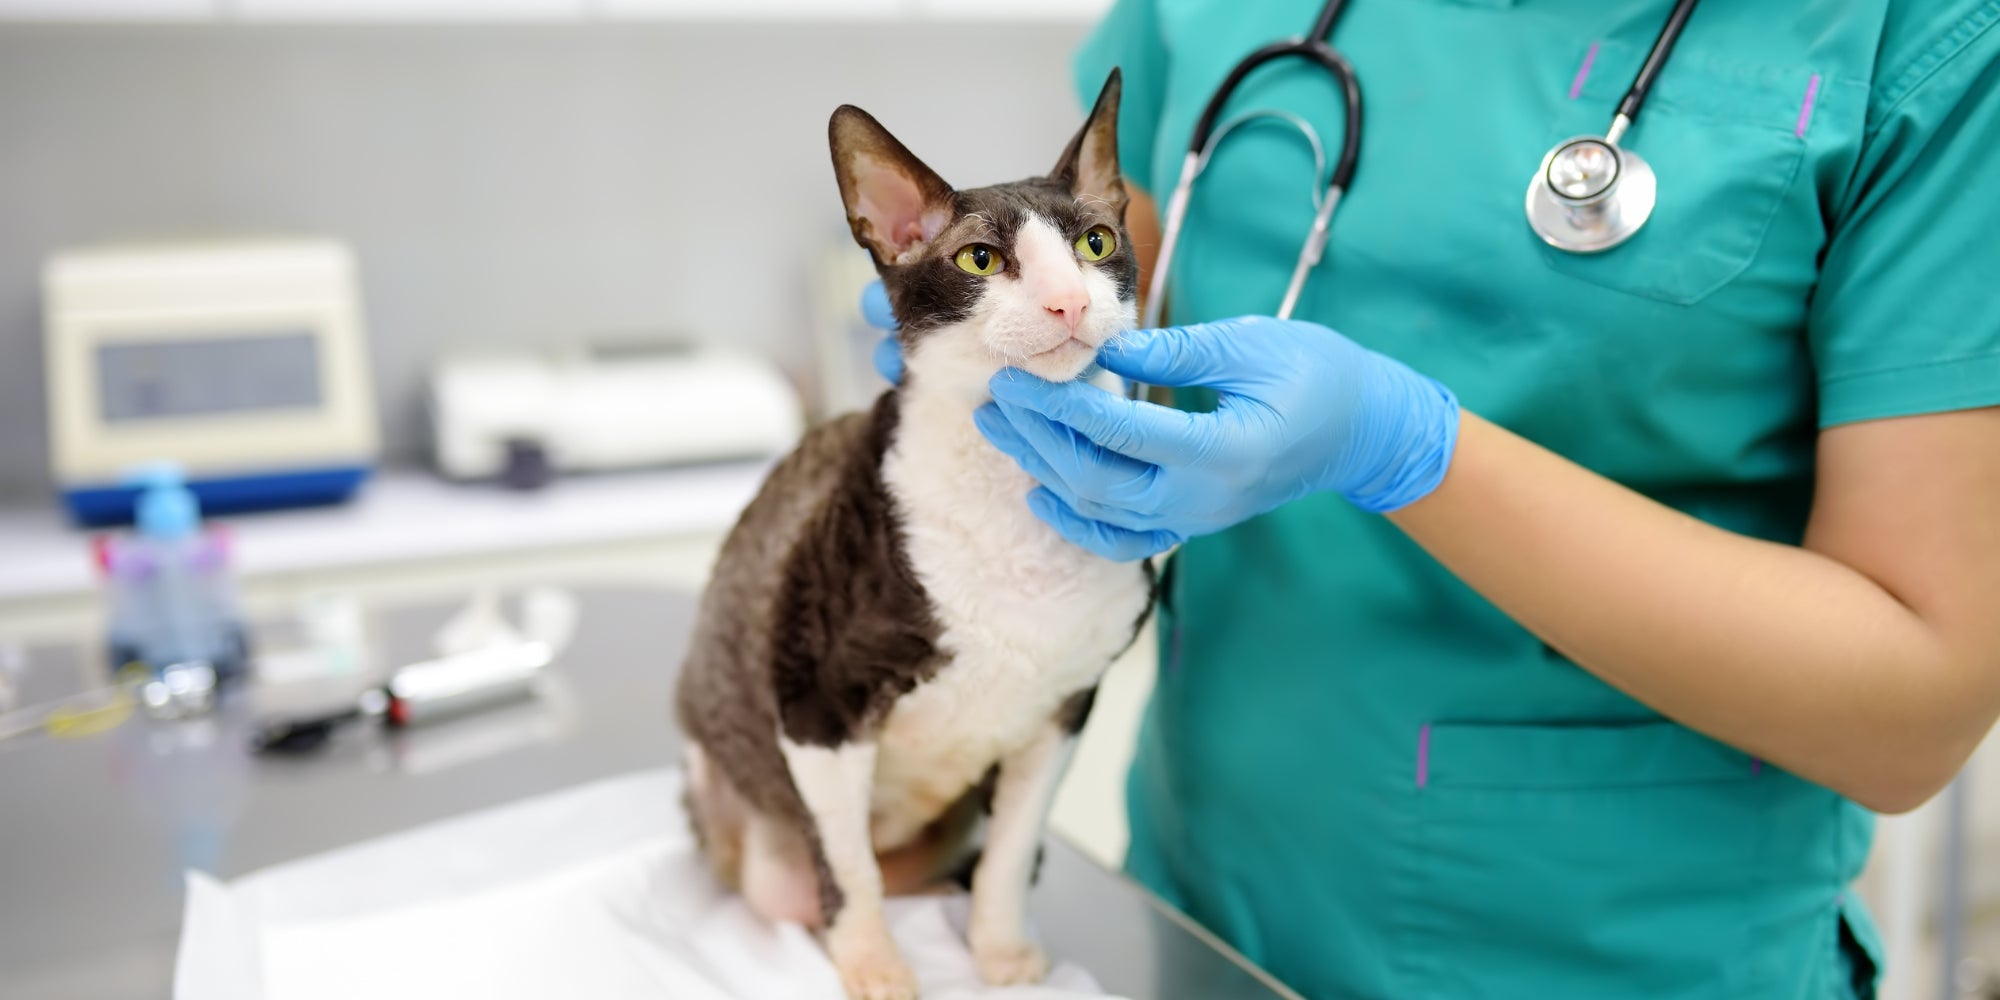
(892, 645)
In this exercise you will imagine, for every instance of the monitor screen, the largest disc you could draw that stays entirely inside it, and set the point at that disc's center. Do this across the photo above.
(265, 370)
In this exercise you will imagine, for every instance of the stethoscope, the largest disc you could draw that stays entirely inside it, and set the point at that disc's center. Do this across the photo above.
(1589, 194)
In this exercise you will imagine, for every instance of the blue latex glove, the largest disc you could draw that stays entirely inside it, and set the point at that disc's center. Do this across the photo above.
(875, 309)
(1301, 409)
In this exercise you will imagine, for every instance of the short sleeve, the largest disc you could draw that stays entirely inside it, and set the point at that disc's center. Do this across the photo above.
(1129, 39)
(1906, 316)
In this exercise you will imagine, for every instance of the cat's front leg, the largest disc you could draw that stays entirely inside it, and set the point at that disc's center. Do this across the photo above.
(1021, 798)
(835, 783)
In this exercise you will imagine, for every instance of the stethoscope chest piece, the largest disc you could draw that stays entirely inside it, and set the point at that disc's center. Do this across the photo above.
(1589, 195)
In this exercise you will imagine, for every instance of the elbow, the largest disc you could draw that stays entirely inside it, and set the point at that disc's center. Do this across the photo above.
(1896, 800)
(1896, 790)
(1917, 755)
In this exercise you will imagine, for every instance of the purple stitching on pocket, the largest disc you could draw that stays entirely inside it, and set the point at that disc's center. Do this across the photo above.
(1805, 110)
(1756, 766)
(1424, 755)
(1583, 72)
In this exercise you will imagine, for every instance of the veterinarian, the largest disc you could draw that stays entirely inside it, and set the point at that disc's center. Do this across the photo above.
(1548, 624)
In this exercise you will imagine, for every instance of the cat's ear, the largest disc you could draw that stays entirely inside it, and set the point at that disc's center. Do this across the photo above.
(1089, 166)
(894, 202)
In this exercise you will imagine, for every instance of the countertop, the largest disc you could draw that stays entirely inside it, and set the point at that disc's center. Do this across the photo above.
(407, 514)
(98, 828)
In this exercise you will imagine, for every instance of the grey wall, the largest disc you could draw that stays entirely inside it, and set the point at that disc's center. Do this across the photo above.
(500, 184)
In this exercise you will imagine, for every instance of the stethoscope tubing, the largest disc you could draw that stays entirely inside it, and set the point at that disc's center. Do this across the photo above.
(1316, 48)
(1656, 60)
(1201, 145)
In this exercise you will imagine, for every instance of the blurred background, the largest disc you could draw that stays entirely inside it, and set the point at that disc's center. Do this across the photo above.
(342, 340)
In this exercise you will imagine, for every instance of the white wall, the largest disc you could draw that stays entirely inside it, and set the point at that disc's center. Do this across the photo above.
(501, 183)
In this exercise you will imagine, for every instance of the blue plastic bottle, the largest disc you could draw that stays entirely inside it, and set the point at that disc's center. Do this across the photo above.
(173, 612)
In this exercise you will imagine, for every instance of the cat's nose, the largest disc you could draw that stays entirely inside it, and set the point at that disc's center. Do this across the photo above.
(1067, 305)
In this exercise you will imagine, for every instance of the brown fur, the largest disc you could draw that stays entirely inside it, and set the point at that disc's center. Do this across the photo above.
(814, 622)
(929, 291)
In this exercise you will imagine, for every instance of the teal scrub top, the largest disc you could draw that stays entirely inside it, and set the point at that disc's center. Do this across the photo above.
(1354, 768)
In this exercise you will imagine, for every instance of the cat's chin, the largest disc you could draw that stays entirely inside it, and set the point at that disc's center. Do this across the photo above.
(1065, 362)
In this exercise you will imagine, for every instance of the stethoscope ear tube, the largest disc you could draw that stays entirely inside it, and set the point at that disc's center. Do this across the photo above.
(1206, 134)
(1310, 255)
(1170, 236)
(1314, 50)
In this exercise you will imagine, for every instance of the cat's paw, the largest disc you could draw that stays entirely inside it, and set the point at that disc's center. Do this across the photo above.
(877, 975)
(1010, 962)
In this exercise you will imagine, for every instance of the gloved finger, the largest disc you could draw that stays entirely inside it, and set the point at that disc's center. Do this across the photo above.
(1109, 541)
(1147, 432)
(888, 358)
(875, 306)
(1204, 354)
(1113, 487)
(1000, 432)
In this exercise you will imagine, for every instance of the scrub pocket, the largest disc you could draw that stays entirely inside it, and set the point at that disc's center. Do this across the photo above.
(1560, 861)
(1723, 140)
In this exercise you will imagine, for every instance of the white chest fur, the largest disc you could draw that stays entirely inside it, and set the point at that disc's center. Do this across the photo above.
(1027, 618)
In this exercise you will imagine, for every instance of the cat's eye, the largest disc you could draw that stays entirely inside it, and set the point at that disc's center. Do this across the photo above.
(1097, 244)
(980, 259)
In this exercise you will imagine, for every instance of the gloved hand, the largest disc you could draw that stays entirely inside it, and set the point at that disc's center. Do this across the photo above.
(1301, 410)
(875, 310)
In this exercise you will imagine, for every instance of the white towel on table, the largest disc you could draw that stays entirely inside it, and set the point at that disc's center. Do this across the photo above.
(596, 892)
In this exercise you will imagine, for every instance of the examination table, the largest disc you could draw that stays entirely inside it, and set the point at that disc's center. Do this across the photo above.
(96, 829)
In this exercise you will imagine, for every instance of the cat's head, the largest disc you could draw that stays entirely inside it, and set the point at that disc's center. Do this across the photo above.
(1036, 274)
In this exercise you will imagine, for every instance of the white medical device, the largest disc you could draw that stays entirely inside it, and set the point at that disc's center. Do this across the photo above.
(244, 362)
(605, 405)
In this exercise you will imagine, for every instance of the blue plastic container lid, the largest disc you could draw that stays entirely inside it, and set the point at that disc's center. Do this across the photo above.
(166, 508)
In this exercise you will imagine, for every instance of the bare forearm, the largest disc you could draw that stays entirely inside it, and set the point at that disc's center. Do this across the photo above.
(1786, 653)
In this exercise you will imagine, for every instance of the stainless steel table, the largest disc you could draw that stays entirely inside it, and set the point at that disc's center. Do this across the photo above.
(96, 830)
